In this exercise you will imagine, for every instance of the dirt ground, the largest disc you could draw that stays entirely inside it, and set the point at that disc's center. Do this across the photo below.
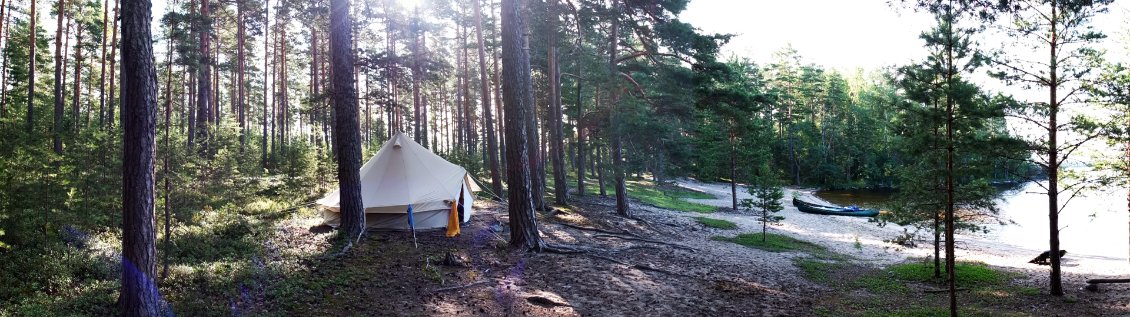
(662, 264)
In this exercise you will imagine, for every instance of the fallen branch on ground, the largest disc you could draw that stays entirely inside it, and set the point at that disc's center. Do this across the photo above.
(944, 290)
(644, 240)
(455, 288)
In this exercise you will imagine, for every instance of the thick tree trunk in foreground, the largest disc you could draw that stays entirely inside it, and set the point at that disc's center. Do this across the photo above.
(518, 101)
(346, 128)
(484, 84)
(139, 115)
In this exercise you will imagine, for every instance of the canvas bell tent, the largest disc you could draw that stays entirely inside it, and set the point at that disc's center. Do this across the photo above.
(402, 174)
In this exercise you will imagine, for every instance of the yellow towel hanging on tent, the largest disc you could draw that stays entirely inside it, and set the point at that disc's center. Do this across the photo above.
(453, 220)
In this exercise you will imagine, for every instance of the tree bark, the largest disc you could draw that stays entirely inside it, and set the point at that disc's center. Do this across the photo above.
(139, 295)
(518, 100)
(347, 124)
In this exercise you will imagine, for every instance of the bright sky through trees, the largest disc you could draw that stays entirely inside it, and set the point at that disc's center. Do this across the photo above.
(840, 34)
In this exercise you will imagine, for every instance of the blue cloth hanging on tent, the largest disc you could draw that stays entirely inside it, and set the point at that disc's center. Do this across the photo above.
(411, 222)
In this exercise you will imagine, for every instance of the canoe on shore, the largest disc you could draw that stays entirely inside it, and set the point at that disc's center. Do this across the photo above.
(853, 211)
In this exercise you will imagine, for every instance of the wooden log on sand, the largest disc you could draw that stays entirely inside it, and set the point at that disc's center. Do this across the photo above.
(1093, 284)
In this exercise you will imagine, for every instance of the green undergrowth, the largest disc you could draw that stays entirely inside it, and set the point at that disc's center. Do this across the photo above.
(967, 274)
(900, 290)
(716, 223)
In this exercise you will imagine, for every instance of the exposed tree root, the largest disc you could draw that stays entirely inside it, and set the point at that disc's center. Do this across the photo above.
(597, 229)
(560, 249)
(545, 302)
(644, 240)
(642, 267)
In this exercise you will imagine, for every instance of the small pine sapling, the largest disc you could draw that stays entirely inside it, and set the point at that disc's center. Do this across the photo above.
(766, 199)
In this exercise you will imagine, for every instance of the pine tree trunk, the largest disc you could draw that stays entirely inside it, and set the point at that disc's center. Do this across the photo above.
(204, 82)
(556, 139)
(241, 83)
(138, 295)
(165, 167)
(76, 97)
(484, 85)
(580, 125)
(102, 61)
(113, 98)
(617, 147)
(4, 68)
(468, 116)
(31, 70)
(57, 131)
(347, 124)
(600, 167)
(733, 171)
(1056, 287)
(266, 82)
(518, 102)
(416, 74)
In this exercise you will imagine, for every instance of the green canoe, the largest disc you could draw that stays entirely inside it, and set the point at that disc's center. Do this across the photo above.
(853, 211)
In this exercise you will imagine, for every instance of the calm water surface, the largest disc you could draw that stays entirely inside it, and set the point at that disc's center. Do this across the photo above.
(1095, 224)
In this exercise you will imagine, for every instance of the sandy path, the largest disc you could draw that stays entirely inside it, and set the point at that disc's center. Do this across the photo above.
(839, 234)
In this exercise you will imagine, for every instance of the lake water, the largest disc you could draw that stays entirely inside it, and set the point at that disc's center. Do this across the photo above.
(1092, 225)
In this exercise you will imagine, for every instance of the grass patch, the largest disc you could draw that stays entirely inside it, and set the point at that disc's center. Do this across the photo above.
(716, 223)
(968, 274)
(662, 198)
(878, 284)
(772, 242)
(817, 270)
(686, 193)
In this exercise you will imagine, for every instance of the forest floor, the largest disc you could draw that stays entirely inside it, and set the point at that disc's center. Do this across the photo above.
(685, 253)
(664, 262)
